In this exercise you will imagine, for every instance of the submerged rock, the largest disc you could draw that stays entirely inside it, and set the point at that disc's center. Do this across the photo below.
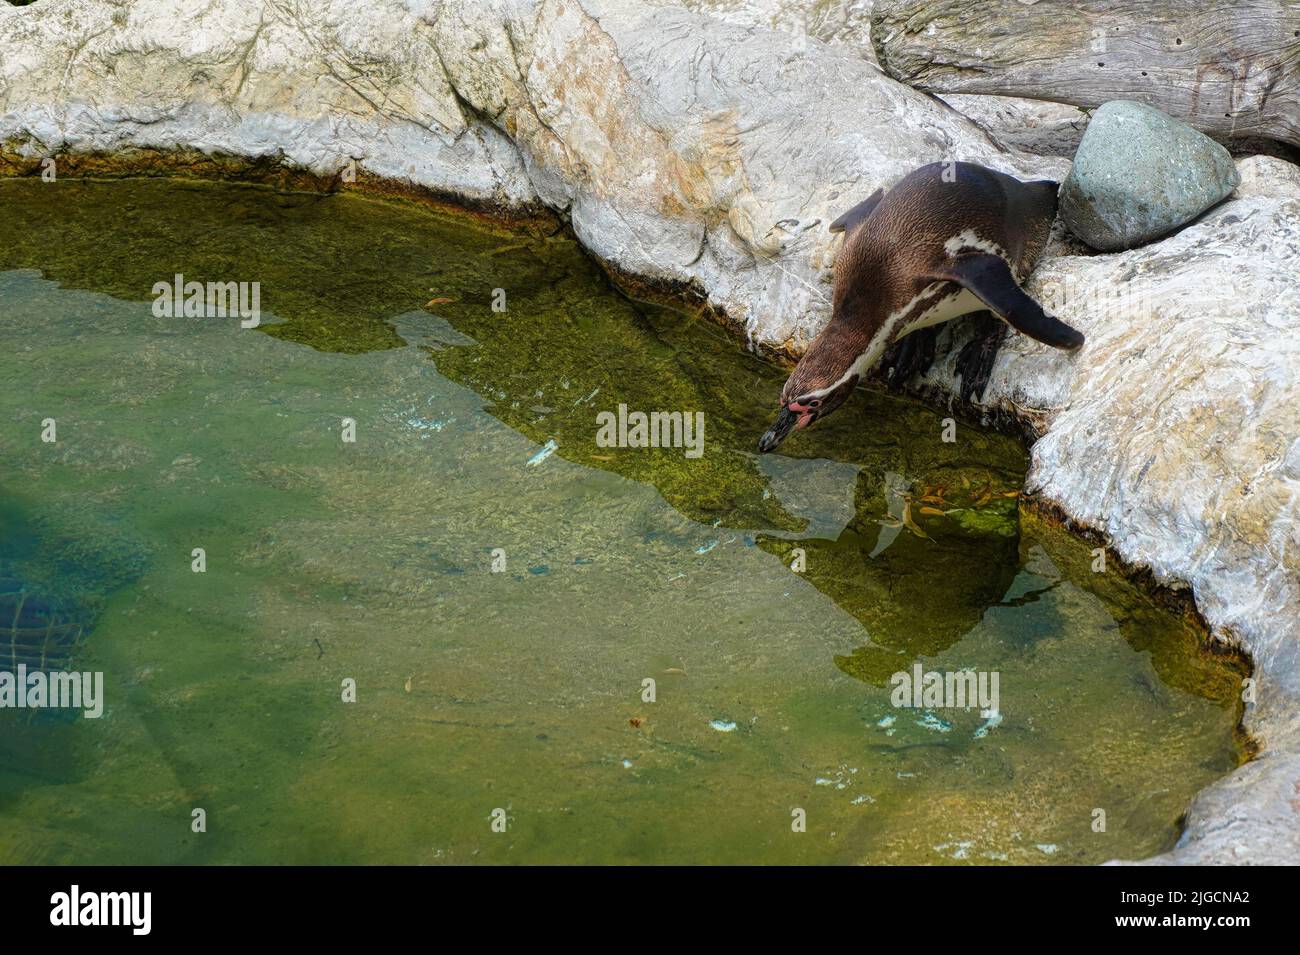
(1140, 174)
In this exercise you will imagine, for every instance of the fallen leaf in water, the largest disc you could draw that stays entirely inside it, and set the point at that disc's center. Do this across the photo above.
(602, 457)
(984, 499)
(637, 722)
(438, 301)
(675, 670)
(931, 499)
(408, 683)
(1011, 494)
(932, 510)
(910, 524)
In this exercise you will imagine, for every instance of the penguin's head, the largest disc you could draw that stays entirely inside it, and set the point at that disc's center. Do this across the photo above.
(826, 375)
(814, 389)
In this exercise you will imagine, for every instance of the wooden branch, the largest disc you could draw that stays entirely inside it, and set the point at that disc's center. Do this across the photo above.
(1230, 68)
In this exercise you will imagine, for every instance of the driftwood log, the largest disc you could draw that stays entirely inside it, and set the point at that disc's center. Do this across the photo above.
(1230, 68)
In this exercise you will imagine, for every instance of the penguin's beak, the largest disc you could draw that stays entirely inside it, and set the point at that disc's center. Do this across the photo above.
(785, 422)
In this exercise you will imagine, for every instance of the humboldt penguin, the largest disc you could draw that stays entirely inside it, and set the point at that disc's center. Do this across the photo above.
(949, 239)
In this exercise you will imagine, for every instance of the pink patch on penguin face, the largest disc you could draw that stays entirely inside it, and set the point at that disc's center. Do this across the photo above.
(806, 410)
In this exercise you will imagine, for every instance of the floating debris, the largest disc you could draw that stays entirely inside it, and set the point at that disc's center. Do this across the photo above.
(637, 722)
(961, 850)
(723, 726)
(548, 449)
(425, 425)
(841, 779)
(705, 548)
(910, 524)
(931, 722)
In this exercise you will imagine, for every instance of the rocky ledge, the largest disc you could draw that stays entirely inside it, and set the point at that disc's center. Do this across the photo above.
(694, 152)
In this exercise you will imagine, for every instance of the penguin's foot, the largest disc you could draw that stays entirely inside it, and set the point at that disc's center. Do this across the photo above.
(908, 356)
(975, 360)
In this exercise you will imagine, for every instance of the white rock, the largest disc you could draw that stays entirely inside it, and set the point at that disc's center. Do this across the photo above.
(1035, 126)
(841, 21)
(1268, 176)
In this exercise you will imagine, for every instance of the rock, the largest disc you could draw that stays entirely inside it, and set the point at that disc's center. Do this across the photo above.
(1226, 67)
(690, 150)
(1268, 176)
(838, 21)
(1034, 126)
(1140, 174)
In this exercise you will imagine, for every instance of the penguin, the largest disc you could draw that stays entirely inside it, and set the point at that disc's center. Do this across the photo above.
(949, 239)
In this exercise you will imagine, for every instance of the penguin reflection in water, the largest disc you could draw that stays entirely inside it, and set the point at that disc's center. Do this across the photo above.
(947, 240)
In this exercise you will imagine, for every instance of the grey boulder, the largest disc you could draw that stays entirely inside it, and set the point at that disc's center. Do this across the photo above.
(1140, 174)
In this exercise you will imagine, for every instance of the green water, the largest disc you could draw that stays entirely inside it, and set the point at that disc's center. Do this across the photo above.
(522, 690)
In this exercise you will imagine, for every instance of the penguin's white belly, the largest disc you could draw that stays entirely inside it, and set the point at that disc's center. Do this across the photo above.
(963, 303)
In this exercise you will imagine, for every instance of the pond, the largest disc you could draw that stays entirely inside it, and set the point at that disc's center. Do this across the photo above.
(367, 584)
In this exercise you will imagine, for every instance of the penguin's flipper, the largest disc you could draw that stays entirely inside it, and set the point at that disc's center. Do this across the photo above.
(990, 279)
(850, 220)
